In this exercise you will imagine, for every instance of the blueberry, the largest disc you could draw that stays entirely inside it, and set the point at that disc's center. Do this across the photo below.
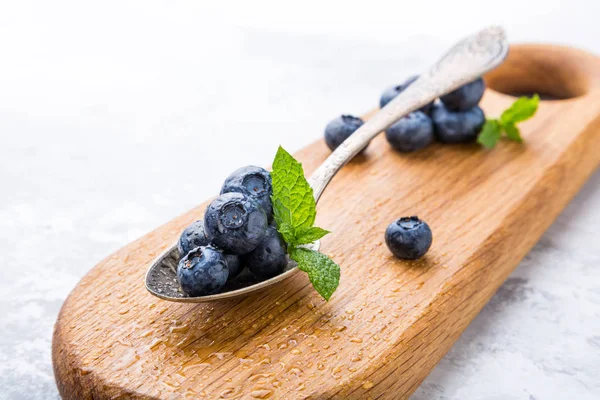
(235, 223)
(254, 182)
(390, 93)
(457, 127)
(269, 258)
(465, 97)
(202, 271)
(340, 129)
(411, 133)
(193, 236)
(408, 238)
(234, 263)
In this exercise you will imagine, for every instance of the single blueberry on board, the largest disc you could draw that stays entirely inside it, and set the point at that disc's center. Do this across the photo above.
(269, 258)
(408, 238)
(254, 182)
(465, 97)
(235, 223)
(459, 126)
(390, 93)
(411, 133)
(193, 236)
(340, 129)
(202, 271)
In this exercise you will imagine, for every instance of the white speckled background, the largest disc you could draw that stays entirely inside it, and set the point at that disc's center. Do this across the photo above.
(116, 116)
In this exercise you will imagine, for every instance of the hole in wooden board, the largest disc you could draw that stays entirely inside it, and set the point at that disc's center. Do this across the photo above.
(538, 69)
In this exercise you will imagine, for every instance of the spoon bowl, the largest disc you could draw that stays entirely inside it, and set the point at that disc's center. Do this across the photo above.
(466, 61)
(161, 279)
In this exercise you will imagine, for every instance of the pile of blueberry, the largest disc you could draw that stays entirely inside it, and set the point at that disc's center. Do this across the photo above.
(456, 118)
(237, 231)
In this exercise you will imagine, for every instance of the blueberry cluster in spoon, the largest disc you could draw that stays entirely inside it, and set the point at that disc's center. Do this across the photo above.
(234, 233)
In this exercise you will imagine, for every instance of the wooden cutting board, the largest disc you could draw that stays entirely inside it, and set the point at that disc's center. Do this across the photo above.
(390, 321)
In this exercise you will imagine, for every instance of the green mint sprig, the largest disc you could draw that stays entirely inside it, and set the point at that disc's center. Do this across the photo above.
(521, 110)
(295, 212)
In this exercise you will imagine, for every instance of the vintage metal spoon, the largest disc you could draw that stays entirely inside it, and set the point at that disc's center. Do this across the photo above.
(463, 63)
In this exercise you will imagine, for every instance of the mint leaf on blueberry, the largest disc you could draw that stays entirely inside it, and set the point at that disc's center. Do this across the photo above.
(323, 273)
(295, 211)
(522, 109)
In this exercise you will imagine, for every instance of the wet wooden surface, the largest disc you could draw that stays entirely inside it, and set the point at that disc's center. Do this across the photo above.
(390, 321)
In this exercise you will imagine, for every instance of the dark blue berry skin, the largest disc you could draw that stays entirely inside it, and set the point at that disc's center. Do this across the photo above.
(193, 236)
(411, 133)
(269, 258)
(408, 238)
(202, 271)
(235, 223)
(254, 182)
(465, 97)
(390, 93)
(234, 263)
(457, 127)
(340, 129)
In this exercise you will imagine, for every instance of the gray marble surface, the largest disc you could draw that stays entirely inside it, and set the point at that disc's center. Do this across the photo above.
(117, 116)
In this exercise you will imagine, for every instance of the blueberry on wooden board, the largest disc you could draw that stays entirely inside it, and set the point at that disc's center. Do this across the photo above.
(408, 238)
(459, 126)
(390, 93)
(465, 97)
(411, 133)
(340, 129)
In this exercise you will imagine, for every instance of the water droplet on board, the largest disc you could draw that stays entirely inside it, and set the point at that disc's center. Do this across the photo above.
(367, 385)
(227, 393)
(221, 356)
(255, 377)
(179, 329)
(261, 393)
(146, 333)
(335, 372)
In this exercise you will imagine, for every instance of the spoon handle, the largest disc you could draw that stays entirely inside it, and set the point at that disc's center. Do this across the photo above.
(466, 61)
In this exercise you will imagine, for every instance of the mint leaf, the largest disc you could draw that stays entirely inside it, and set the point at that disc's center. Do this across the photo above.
(306, 236)
(521, 110)
(293, 200)
(295, 211)
(490, 134)
(287, 231)
(323, 273)
(513, 133)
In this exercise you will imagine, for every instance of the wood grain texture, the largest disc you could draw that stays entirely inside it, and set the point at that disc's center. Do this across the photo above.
(390, 321)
